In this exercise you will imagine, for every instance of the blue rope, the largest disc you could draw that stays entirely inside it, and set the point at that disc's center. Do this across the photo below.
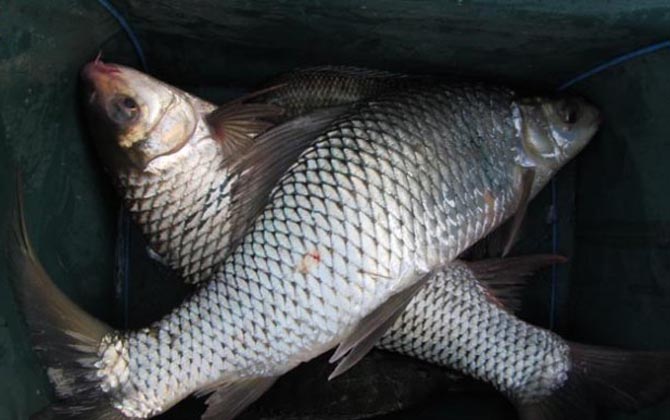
(554, 188)
(123, 224)
(129, 31)
(614, 62)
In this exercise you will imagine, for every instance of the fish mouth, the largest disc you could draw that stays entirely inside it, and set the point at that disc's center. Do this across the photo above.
(97, 75)
(97, 68)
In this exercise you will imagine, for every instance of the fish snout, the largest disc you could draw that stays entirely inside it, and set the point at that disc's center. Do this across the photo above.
(97, 69)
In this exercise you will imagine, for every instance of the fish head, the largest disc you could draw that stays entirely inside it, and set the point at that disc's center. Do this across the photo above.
(134, 117)
(552, 131)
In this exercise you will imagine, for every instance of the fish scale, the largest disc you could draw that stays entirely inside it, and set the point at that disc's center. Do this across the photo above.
(183, 213)
(453, 322)
(388, 252)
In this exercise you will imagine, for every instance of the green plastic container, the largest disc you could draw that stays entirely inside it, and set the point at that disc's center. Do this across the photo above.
(613, 202)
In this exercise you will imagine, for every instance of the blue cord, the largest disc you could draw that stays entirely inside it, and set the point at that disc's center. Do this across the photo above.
(614, 62)
(123, 240)
(129, 31)
(554, 188)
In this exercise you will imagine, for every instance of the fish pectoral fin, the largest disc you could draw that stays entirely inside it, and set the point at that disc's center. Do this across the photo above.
(261, 168)
(228, 399)
(236, 124)
(371, 328)
(527, 178)
(505, 278)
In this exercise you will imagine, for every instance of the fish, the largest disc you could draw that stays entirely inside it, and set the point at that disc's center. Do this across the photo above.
(378, 197)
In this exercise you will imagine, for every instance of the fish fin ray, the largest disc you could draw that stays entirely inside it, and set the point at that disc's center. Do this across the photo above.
(339, 70)
(235, 125)
(527, 179)
(505, 278)
(605, 377)
(64, 336)
(372, 327)
(229, 399)
(261, 168)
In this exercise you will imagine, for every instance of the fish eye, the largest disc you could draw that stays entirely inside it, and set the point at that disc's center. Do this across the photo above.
(569, 113)
(124, 110)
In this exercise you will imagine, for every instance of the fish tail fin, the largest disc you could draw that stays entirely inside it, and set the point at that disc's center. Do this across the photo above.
(66, 338)
(604, 377)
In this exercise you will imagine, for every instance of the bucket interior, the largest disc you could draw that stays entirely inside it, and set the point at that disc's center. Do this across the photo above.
(612, 202)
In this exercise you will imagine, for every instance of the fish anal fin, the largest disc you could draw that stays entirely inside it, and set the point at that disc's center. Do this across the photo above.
(371, 328)
(527, 179)
(229, 399)
(505, 278)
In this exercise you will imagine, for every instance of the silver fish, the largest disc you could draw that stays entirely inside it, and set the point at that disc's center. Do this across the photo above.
(348, 215)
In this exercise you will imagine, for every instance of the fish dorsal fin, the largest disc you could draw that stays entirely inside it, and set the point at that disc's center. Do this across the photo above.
(338, 70)
(527, 178)
(228, 399)
(371, 328)
(259, 170)
(505, 278)
(235, 124)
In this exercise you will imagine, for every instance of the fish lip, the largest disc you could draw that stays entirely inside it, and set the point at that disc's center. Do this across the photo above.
(96, 69)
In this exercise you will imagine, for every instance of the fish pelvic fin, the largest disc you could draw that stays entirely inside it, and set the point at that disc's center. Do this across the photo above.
(604, 377)
(505, 278)
(527, 179)
(372, 327)
(66, 338)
